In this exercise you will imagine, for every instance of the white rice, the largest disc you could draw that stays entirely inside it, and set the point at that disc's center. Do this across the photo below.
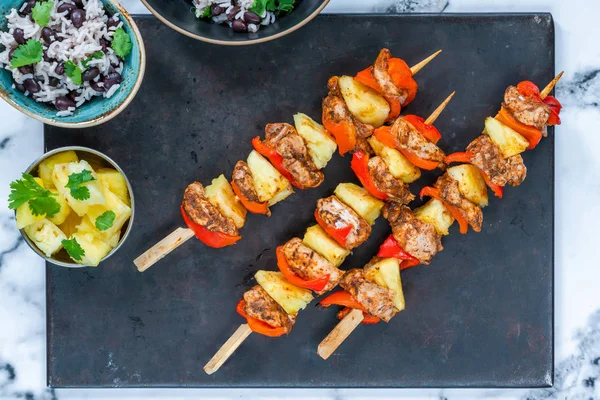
(266, 18)
(77, 45)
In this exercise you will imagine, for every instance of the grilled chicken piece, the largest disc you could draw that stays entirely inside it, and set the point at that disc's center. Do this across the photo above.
(242, 176)
(296, 159)
(449, 192)
(202, 212)
(525, 109)
(309, 264)
(334, 107)
(387, 183)
(363, 145)
(411, 139)
(338, 215)
(416, 237)
(487, 157)
(259, 305)
(384, 80)
(377, 300)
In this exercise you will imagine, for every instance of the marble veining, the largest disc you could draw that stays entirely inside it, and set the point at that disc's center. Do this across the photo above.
(577, 318)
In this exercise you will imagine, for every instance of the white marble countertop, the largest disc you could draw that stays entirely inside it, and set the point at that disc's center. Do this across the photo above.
(577, 304)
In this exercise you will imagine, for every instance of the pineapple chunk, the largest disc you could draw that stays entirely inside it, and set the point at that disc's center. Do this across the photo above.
(386, 273)
(60, 177)
(291, 298)
(46, 167)
(94, 248)
(46, 236)
(398, 165)
(64, 212)
(220, 194)
(114, 204)
(318, 240)
(114, 181)
(69, 226)
(360, 201)
(320, 144)
(269, 184)
(368, 106)
(508, 141)
(435, 213)
(87, 227)
(470, 183)
(24, 216)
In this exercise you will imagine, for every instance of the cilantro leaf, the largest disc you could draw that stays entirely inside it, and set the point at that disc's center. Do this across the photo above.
(26, 54)
(73, 72)
(74, 249)
(76, 180)
(206, 13)
(286, 6)
(41, 201)
(106, 220)
(41, 12)
(260, 6)
(121, 43)
(94, 56)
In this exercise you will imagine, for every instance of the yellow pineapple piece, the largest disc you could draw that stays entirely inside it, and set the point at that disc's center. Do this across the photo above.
(320, 144)
(24, 216)
(470, 183)
(114, 204)
(318, 240)
(360, 201)
(386, 273)
(46, 167)
(65, 210)
(269, 184)
(291, 298)
(398, 165)
(60, 177)
(46, 236)
(221, 195)
(69, 226)
(508, 140)
(94, 248)
(368, 106)
(435, 213)
(114, 181)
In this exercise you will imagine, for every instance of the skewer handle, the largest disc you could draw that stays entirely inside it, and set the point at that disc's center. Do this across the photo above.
(419, 66)
(162, 248)
(546, 91)
(228, 348)
(337, 336)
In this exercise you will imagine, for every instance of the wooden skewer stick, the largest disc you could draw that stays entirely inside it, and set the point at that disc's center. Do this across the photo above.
(436, 113)
(162, 248)
(550, 86)
(228, 348)
(417, 67)
(337, 336)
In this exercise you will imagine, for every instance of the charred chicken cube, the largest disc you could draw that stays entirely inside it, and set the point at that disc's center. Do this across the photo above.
(450, 193)
(386, 273)
(526, 110)
(470, 183)
(411, 140)
(258, 304)
(336, 215)
(290, 297)
(377, 300)
(309, 265)
(487, 157)
(419, 239)
(387, 183)
(242, 178)
(202, 212)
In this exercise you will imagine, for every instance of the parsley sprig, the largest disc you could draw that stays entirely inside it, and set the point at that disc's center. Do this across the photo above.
(76, 180)
(106, 220)
(27, 54)
(41, 201)
(73, 248)
(121, 43)
(41, 12)
(73, 71)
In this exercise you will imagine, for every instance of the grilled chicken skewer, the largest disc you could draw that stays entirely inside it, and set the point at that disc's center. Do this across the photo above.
(289, 156)
(344, 222)
(459, 194)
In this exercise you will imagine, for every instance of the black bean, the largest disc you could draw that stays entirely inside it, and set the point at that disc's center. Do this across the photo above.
(79, 3)
(216, 9)
(112, 79)
(251, 18)
(72, 94)
(47, 58)
(239, 26)
(53, 82)
(63, 103)
(97, 87)
(78, 18)
(28, 7)
(90, 74)
(19, 36)
(31, 85)
(113, 23)
(26, 69)
(104, 44)
(48, 35)
(66, 7)
(234, 11)
(60, 69)
(20, 87)
(11, 54)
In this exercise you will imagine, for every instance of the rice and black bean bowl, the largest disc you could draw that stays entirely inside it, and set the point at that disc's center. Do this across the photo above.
(64, 52)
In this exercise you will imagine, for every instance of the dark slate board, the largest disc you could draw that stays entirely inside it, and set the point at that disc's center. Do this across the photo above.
(480, 316)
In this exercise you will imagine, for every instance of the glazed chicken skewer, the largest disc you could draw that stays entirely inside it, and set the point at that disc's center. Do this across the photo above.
(262, 305)
(289, 156)
(456, 193)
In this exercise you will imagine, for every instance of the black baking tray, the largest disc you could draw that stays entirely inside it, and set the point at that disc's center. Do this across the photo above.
(481, 315)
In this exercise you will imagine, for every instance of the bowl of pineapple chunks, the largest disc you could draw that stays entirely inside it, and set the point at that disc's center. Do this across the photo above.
(74, 206)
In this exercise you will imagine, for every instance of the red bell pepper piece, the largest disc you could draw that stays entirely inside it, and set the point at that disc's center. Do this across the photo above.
(429, 132)
(392, 249)
(360, 167)
(433, 192)
(345, 299)
(497, 189)
(315, 284)
(257, 325)
(466, 157)
(208, 237)
(275, 158)
(530, 89)
(368, 319)
(338, 234)
(401, 76)
(385, 136)
(344, 133)
(252, 206)
(555, 108)
(531, 133)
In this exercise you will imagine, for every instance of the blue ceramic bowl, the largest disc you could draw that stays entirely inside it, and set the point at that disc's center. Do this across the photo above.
(98, 110)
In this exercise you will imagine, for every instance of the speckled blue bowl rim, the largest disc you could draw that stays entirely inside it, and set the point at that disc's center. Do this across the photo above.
(94, 112)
